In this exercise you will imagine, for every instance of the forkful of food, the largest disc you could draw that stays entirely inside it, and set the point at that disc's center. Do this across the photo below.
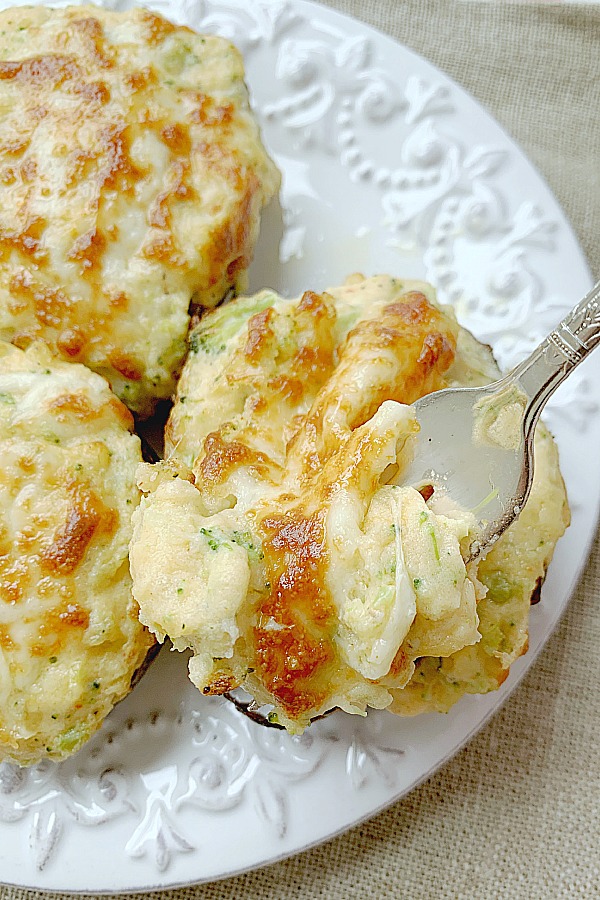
(477, 443)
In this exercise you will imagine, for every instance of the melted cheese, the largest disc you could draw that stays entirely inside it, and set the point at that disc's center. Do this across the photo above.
(70, 640)
(292, 415)
(132, 176)
(511, 576)
(280, 533)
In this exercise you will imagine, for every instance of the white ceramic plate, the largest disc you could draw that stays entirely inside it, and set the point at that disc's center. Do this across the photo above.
(388, 166)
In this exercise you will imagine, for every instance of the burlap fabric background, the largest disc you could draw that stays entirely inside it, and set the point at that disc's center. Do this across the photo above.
(516, 813)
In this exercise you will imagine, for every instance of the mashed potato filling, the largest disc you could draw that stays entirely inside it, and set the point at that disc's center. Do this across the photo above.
(204, 597)
(278, 540)
(70, 639)
(205, 566)
(133, 179)
(391, 557)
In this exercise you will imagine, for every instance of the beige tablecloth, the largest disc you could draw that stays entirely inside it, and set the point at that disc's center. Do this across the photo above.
(516, 813)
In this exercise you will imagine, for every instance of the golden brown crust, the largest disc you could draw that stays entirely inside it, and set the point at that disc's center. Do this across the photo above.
(301, 379)
(86, 516)
(131, 181)
(311, 575)
(419, 343)
(70, 639)
(293, 660)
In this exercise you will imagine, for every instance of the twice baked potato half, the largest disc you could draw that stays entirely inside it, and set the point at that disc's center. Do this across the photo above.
(278, 541)
(132, 177)
(71, 643)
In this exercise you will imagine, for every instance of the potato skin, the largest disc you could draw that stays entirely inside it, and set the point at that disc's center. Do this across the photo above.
(132, 176)
(71, 644)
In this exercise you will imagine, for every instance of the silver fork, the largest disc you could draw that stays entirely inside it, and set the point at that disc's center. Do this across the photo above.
(477, 443)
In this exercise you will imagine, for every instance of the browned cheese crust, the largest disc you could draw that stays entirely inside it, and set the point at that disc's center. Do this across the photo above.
(132, 176)
(278, 540)
(70, 640)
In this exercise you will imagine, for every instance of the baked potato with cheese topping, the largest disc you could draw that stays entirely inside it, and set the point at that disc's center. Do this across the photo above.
(70, 639)
(132, 176)
(277, 539)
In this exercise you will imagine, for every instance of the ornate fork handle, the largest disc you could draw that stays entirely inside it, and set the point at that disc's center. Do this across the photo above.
(547, 367)
(579, 332)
